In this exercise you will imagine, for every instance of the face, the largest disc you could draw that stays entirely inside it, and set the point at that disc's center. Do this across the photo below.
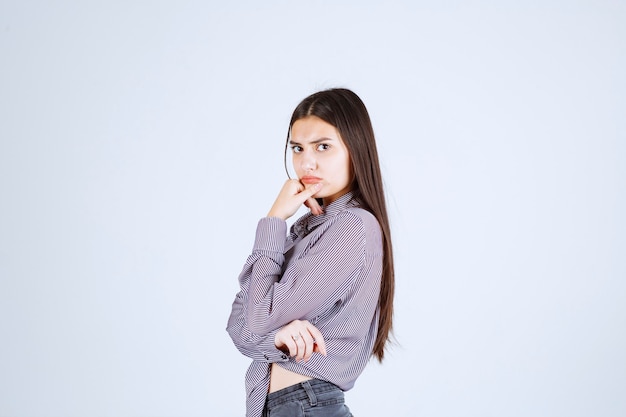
(320, 156)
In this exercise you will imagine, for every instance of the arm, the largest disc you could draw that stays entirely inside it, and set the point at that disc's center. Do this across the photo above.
(315, 281)
(300, 339)
(270, 240)
(268, 257)
(272, 346)
(256, 347)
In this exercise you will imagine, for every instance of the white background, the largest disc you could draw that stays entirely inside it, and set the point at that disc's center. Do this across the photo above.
(140, 142)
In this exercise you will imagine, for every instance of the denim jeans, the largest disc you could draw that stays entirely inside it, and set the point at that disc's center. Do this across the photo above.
(312, 398)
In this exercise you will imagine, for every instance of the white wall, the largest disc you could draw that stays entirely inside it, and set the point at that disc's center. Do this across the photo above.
(141, 141)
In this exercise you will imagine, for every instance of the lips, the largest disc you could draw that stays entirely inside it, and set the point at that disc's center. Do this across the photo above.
(308, 179)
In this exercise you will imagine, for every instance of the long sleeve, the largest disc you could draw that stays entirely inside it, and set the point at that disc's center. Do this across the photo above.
(259, 348)
(314, 281)
(269, 243)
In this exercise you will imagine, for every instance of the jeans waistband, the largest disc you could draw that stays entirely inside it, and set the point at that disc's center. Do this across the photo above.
(307, 390)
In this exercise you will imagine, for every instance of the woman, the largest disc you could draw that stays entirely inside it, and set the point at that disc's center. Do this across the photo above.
(317, 303)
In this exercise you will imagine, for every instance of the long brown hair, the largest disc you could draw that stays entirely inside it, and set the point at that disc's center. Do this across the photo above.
(344, 110)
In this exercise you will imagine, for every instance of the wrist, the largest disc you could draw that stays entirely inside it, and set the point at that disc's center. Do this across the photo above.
(277, 213)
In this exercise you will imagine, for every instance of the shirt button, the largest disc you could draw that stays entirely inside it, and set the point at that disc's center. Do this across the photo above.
(266, 357)
(283, 356)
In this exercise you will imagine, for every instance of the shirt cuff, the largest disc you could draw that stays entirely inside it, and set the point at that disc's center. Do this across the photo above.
(271, 233)
(270, 352)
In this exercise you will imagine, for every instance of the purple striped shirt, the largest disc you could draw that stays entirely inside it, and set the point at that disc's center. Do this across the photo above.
(327, 271)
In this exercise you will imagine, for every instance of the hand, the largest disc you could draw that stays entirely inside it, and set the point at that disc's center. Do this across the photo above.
(301, 339)
(292, 196)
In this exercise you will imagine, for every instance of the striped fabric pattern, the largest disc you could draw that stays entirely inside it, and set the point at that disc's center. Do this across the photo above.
(327, 271)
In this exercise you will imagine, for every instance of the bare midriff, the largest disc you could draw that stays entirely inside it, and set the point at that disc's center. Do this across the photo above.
(282, 378)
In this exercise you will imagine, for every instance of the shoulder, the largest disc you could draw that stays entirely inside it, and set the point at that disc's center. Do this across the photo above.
(365, 217)
(356, 216)
(358, 222)
(370, 226)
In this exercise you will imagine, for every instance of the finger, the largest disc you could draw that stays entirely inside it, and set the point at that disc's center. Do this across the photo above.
(309, 345)
(319, 339)
(284, 339)
(309, 191)
(314, 206)
(301, 347)
(288, 200)
(294, 186)
(291, 345)
(302, 339)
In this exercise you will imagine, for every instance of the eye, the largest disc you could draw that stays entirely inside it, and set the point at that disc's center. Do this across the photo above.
(296, 148)
(323, 147)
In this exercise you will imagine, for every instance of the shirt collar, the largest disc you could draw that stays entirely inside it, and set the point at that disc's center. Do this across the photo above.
(308, 222)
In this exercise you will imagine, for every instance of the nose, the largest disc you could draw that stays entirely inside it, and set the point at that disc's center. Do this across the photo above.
(307, 162)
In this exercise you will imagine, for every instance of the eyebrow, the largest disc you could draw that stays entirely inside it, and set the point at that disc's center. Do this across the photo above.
(316, 141)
